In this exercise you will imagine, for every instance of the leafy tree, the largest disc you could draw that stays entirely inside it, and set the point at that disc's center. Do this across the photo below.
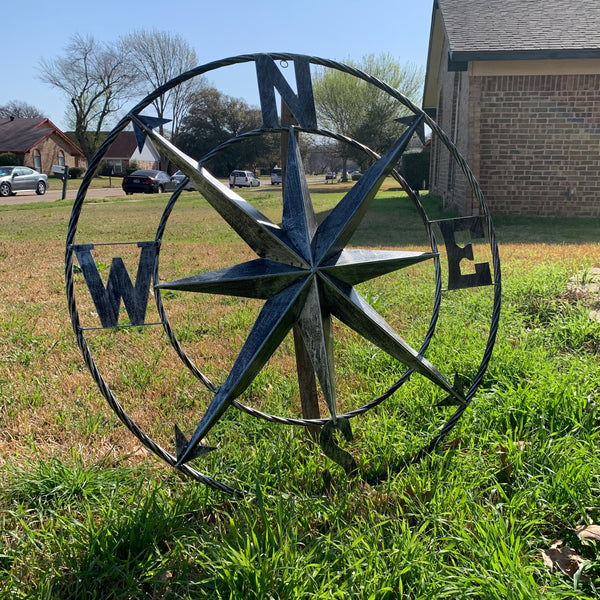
(214, 118)
(96, 80)
(20, 110)
(156, 58)
(362, 111)
(415, 168)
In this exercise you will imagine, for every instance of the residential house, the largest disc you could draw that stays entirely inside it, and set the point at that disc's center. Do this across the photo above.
(39, 144)
(515, 84)
(124, 150)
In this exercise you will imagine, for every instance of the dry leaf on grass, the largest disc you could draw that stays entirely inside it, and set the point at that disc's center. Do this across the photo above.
(565, 558)
(588, 532)
(503, 453)
(506, 466)
(454, 444)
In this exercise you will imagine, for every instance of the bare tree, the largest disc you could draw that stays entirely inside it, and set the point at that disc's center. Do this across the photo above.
(156, 58)
(95, 79)
(20, 110)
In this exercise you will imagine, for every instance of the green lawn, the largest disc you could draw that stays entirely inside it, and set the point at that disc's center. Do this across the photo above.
(55, 183)
(87, 513)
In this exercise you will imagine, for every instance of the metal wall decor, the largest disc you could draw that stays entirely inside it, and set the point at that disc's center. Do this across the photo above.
(304, 271)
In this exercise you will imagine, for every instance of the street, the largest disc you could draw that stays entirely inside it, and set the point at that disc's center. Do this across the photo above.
(53, 195)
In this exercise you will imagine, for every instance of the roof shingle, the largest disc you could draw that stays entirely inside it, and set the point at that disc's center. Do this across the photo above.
(123, 147)
(522, 28)
(19, 135)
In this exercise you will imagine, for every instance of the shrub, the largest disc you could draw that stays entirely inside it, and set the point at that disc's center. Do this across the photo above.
(415, 168)
(75, 172)
(8, 159)
(356, 176)
(131, 167)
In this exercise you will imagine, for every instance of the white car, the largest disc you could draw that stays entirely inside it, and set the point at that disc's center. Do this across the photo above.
(243, 179)
(275, 176)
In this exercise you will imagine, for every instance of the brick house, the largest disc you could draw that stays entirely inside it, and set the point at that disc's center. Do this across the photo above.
(516, 85)
(124, 150)
(39, 144)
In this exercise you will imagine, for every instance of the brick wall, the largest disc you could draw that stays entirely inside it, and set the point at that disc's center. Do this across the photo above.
(539, 143)
(446, 178)
(532, 142)
(49, 149)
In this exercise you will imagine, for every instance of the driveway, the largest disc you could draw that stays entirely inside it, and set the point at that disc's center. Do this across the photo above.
(52, 195)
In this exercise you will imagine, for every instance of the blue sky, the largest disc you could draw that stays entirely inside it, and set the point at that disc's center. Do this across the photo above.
(334, 30)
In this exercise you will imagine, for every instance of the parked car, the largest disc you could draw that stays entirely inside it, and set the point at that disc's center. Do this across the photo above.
(243, 179)
(330, 175)
(178, 177)
(148, 181)
(22, 179)
(275, 176)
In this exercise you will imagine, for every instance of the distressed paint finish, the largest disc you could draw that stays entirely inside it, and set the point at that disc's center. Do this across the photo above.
(298, 276)
(107, 300)
(304, 272)
(456, 279)
(301, 105)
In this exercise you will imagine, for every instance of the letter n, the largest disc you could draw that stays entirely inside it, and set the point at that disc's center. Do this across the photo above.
(301, 105)
(107, 300)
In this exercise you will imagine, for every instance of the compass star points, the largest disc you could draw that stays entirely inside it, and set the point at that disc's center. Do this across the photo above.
(306, 275)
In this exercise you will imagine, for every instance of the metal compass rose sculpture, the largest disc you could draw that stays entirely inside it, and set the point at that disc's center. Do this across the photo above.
(304, 271)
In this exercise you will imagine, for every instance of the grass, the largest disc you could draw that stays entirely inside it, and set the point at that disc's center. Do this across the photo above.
(87, 513)
(101, 181)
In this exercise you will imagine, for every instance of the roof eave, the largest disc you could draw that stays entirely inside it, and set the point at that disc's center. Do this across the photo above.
(433, 62)
(457, 61)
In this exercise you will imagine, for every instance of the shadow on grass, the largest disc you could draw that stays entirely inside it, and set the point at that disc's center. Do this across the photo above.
(512, 229)
(114, 535)
(393, 220)
(132, 552)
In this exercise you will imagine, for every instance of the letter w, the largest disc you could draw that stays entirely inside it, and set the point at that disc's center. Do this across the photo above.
(107, 300)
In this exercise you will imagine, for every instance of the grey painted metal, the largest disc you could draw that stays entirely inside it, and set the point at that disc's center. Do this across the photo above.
(332, 449)
(328, 271)
(456, 279)
(352, 309)
(152, 122)
(258, 278)
(316, 330)
(264, 237)
(298, 219)
(314, 421)
(316, 296)
(354, 266)
(335, 231)
(301, 105)
(107, 300)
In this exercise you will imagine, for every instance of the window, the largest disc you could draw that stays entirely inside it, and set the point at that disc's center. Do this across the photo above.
(61, 159)
(37, 160)
(113, 166)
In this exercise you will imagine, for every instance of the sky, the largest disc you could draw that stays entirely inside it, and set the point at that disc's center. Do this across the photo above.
(215, 30)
